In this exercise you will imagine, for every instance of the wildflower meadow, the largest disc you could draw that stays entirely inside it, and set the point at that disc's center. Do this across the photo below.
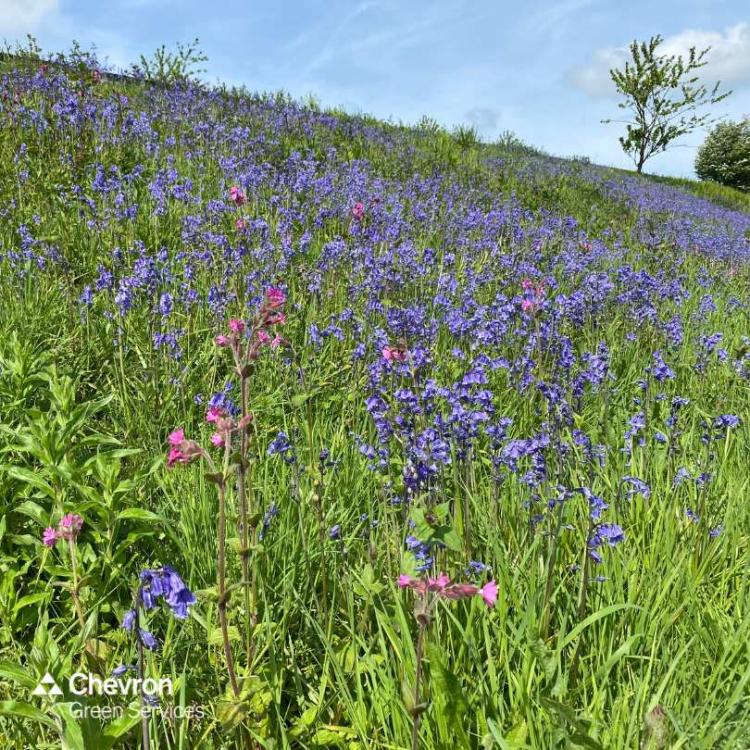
(323, 432)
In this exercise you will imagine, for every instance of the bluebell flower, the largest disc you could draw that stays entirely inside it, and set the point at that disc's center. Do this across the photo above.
(660, 369)
(148, 640)
(167, 584)
(680, 476)
(726, 421)
(87, 296)
(128, 619)
(166, 304)
(281, 446)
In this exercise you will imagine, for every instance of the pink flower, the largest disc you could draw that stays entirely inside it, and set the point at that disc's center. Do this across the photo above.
(276, 341)
(221, 340)
(460, 591)
(240, 224)
(236, 325)
(439, 583)
(533, 295)
(394, 354)
(181, 451)
(417, 585)
(443, 587)
(237, 196)
(217, 440)
(264, 337)
(489, 593)
(275, 297)
(358, 211)
(214, 414)
(184, 453)
(175, 456)
(176, 437)
(49, 537)
(69, 526)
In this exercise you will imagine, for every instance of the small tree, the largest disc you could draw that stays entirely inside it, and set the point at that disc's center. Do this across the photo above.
(725, 155)
(167, 67)
(663, 95)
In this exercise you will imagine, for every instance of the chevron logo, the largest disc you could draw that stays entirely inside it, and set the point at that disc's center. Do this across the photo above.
(47, 687)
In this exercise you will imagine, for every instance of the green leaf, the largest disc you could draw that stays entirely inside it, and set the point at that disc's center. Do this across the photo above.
(301, 398)
(29, 477)
(13, 672)
(29, 599)
(32, 510)
(72, 737)
(139, 514)
(230, 713)
(590, 620)
(215, 637)
(120, 727)
(21, 710)
(448, 687)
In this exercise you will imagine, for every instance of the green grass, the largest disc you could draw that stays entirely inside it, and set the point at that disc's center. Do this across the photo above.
(86, 402)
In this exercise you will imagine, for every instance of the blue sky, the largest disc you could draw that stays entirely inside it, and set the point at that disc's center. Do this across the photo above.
(536, 68)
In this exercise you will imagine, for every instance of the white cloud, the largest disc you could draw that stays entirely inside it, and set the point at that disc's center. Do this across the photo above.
(728, 60)
(25, 16)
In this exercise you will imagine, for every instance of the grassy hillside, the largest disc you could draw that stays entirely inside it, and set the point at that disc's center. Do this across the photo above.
(267, 372)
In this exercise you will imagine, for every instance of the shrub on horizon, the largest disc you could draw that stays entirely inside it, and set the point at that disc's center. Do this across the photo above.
(724, 156)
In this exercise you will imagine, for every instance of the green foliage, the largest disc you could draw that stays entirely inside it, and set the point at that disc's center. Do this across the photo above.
(179, 66)
(510, 141)
(712, 191)
(724, 156)
(663, 96)
(86, 402)
(466, 137)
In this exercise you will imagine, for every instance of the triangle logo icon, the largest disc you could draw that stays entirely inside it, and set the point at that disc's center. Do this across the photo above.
(47, 686)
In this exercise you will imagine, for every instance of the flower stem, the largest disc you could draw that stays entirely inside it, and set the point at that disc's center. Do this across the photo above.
(243, 479)
(546, 609)
(417, 710)
(222, 586)
(144, 714)
(74, 590)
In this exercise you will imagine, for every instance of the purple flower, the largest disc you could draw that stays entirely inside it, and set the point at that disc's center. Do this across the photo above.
(128, 619)
(49, 537)
(167, 584)
(282, 447)
(726, 422)
(660, 369)
(148, 640)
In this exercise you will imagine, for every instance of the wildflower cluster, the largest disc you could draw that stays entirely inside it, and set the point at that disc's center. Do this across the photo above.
(67, 529)
(443, 588)
(163, 584)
